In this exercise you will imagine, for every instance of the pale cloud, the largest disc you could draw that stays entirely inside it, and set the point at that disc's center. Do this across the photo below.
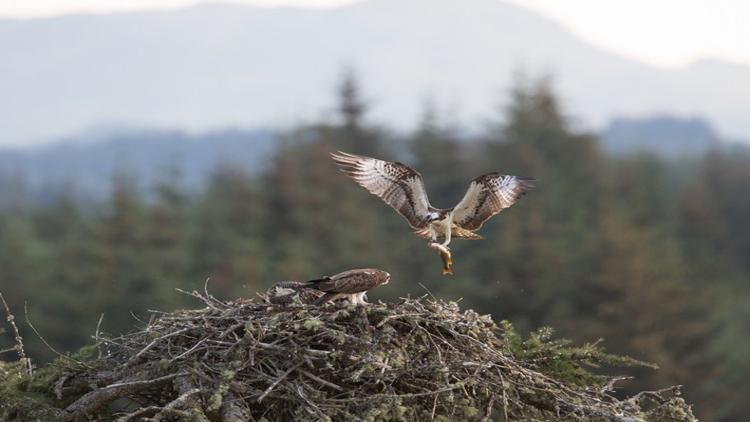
(44, 8)
(664, 32)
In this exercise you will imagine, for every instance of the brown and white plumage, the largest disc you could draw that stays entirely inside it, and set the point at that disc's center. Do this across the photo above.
(396, 184)
(287, 292)
(351, 284)
(488, 195)
(403, 189)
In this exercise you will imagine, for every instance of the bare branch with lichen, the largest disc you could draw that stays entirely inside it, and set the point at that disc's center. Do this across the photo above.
(419, 359)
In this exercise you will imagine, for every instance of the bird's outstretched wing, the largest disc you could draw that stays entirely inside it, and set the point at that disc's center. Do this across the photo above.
(396, 184)
(488, 195)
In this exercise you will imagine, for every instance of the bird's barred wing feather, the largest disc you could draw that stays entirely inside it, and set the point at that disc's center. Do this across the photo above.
(488, 195)
(399, 186)
(348, 282)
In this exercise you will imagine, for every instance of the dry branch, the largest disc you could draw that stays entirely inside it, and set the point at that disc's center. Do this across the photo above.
(418, 359)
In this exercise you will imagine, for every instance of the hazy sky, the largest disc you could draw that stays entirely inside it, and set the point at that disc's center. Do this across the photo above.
(660, 32)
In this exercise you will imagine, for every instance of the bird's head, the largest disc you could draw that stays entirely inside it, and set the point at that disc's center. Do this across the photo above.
(381, 276)
(437, 215)
(281, 291)
(284, 288)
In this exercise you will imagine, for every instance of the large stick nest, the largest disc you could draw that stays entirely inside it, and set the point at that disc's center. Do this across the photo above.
(419, 359)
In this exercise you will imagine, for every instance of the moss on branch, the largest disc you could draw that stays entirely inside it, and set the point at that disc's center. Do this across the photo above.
(418, 359)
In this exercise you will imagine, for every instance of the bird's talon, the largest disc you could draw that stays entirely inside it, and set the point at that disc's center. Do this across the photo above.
(502, 191)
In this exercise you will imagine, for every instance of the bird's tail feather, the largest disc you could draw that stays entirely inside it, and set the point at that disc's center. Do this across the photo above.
(315, 281)
(457, 232)
(464, 234)
(289, 284)
(423, 233)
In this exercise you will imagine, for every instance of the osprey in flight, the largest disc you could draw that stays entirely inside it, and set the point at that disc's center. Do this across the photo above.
(403, 189)
(351, 285)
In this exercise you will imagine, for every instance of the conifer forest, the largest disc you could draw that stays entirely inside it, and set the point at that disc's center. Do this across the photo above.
(651, 255)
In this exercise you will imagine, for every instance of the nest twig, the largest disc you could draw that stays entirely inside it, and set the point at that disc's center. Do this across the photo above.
(420, 359)
(18, 348)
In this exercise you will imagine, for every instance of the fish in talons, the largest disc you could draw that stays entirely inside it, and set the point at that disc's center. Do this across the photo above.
(402, 188)
(445, 255)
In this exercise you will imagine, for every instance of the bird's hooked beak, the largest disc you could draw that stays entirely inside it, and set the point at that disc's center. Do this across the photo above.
(387, 278)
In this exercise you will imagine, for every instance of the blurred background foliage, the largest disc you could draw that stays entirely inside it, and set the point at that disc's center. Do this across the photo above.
(652, 255)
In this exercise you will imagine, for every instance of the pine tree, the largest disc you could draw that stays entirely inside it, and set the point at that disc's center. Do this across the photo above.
(66, 311)
(538, 251)
(230, 247)
(127, 279)
(168, 235)
(24, 261)
(352, 133)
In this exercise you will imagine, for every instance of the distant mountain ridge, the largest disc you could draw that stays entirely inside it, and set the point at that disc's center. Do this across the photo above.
(85, 168)
(215, 65)
(665, 136)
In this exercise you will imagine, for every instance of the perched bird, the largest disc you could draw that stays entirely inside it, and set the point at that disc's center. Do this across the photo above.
(403, 189)
(351, 285)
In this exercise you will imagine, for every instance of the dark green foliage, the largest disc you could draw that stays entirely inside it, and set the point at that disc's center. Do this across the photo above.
(37, 396)
(650, 255)
(561, 360)
(412, 360)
